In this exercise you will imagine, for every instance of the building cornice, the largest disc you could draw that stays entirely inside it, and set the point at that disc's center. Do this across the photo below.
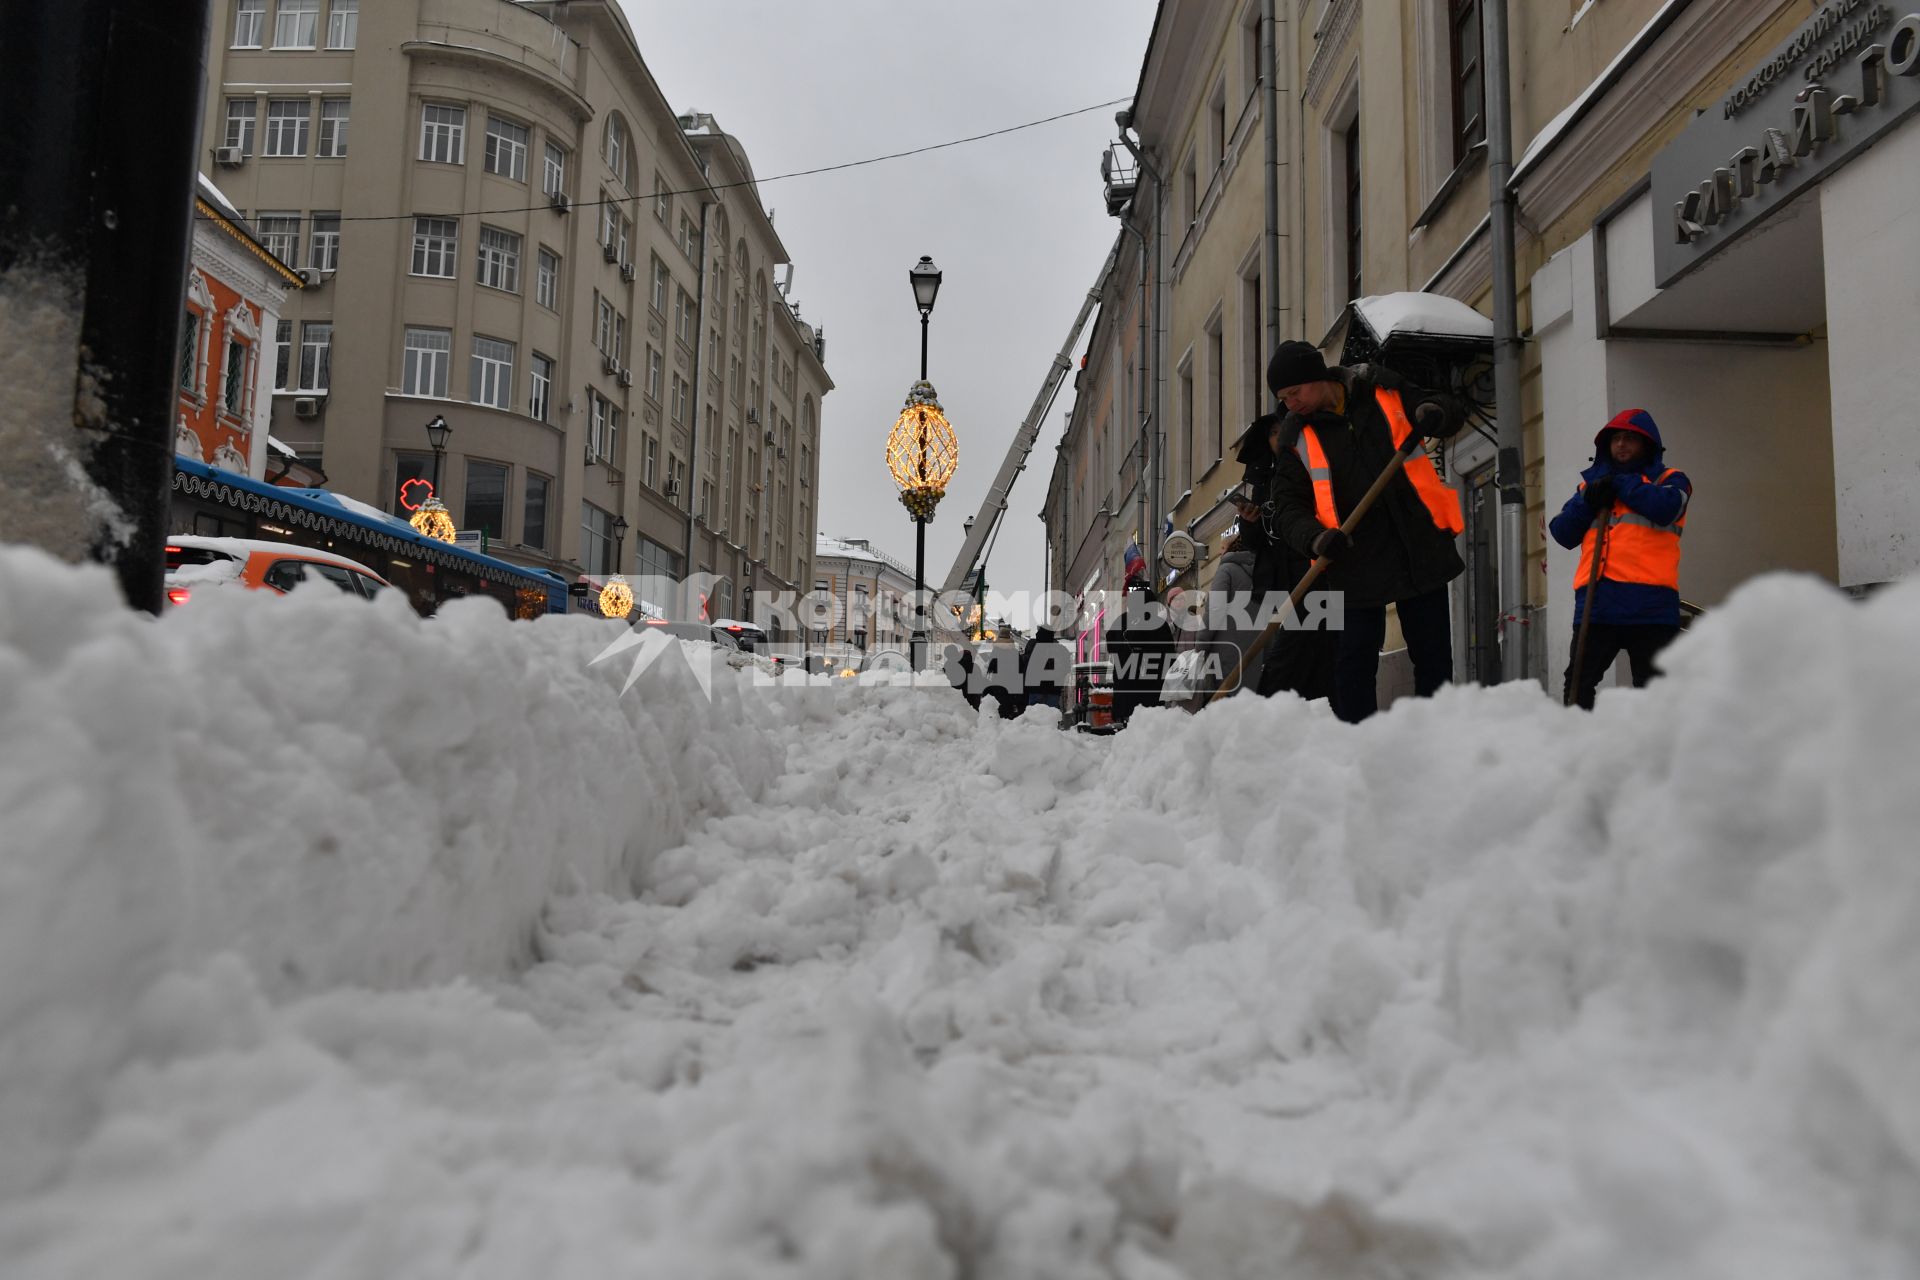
(247, 243)
(486, 60)
(1332, 39)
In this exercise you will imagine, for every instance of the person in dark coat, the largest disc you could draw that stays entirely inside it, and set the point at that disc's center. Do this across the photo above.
(1635, 586)
(960, 674)
(1140, 644)
(1233, 601)
(1046, 666)
(1402, 551)
(1295, 659)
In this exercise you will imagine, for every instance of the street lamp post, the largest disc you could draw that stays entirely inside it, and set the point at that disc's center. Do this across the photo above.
(619, 538)
(922, 452)
(437, 433)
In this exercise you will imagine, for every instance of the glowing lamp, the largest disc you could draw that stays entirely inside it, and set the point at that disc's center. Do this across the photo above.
(616, 598)
(922, 452)
(434, 520)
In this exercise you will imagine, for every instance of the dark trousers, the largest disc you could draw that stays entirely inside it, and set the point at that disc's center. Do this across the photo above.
(1300, 661)
(1605, 641)
(1428, 628)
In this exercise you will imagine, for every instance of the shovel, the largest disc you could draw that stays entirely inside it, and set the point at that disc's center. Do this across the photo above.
(1572, 694)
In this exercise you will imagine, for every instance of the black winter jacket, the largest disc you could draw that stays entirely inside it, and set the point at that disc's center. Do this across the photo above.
(1397, 552)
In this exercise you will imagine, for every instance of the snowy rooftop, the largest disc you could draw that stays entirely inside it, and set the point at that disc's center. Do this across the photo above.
(850, 549)
(454, 957)
(1424, 313)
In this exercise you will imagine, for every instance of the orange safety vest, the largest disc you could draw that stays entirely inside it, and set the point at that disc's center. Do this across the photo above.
(1638, 550)
(1442, 503)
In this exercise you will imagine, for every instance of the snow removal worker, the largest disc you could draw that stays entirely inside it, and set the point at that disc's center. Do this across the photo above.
(1626, 589)
(1140, 642)
(1342, 428)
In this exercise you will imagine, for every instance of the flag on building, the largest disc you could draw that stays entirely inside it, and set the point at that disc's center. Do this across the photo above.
(1135, 564)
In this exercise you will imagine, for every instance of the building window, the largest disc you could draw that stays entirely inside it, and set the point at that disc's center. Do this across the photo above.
(623, 248)
(1469, 92)
(282, 354)
(540, 375)
(603, 425)
(1190, 190)
(486, 505)
(683, 316)
(596, 540)
(662, 199)
(654, 367)
(249, 23)
(1353, 209)
(553, 179)
(1250, 50)
(190, 353)
(1252, 338)
(500, 259)
(609, 219)
(659, 298)
(602, 324)
(1183, 446)
(242, 114)
(287, 123)
(297, 24)
(680, 394)
(333, 128)
(506, 149)
(280, 235)
(1219, 124)
(443, 134)
(426, 362)
(620, 338)
(435, 242)
(316, 355)
(343, 24)
(616, 149)
(706, 501)
(546, 280)
(533, 516)
(1217, 368)
(689, 239)
(408, 467)
(650, 462)
(323, 248)
(491, 377)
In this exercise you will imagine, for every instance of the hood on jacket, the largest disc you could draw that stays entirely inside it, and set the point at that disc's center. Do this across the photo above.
(1638, 421)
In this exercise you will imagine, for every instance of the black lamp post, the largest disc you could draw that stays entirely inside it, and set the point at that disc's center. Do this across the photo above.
(437, 433)
(926, 287)
(619, 537)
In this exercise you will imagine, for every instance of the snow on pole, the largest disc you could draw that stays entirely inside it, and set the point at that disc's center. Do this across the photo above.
(99, 127)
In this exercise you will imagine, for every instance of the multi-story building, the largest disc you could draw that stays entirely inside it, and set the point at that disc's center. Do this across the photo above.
(504, 225)
(871, 595)
(235, 289)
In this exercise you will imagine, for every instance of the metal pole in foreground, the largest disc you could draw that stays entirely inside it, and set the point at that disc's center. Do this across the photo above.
(919, 592)
(96, 207)
(1510, 468)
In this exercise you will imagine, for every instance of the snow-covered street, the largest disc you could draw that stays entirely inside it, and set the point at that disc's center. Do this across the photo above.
(340, 943)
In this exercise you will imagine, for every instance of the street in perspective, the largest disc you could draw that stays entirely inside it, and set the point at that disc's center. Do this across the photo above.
(1110, 640)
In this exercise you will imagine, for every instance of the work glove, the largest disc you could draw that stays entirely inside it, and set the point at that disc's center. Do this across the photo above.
(1331, 543)
(1599, 494)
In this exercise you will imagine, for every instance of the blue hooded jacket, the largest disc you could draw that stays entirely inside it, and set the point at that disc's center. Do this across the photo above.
(1645, 494)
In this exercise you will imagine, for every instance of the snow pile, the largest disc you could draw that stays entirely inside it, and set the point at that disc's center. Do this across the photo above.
(1482, 988)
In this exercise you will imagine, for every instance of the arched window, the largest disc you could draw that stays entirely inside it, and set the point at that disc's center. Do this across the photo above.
(618, 153)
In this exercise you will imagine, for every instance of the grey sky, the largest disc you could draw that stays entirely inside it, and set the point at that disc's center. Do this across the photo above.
(1016, 222)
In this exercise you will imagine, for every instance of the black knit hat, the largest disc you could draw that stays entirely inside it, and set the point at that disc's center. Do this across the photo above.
(1295, 363)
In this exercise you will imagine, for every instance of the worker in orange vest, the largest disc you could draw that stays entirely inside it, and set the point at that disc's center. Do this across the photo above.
(1341, 429)
(1632, 582)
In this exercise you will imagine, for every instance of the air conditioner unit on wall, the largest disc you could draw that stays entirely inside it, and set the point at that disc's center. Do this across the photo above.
(610, 253)
(312, 277)
(609, 365)
(229, 157)
(626, 377)
(559, 201)
(308, 406)
(627, 272)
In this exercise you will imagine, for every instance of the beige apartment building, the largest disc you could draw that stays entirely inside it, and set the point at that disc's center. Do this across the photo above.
(505, 225)
(871, 596)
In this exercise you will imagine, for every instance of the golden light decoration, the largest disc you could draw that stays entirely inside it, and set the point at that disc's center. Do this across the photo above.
(616, 598)
(434, 520)
(922, 452)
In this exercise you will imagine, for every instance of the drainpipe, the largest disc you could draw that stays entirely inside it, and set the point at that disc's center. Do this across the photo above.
(1509, 469)
(1152, 430)
(95, 232)
(1270, 114)
(699, 385)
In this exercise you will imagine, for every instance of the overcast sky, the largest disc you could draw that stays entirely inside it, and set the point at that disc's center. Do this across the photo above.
(1016, 223)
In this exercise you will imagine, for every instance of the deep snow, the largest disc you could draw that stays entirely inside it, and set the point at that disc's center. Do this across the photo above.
(342, 944)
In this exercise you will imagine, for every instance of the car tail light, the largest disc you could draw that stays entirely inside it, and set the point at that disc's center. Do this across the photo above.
(178, 595)
(656, 622)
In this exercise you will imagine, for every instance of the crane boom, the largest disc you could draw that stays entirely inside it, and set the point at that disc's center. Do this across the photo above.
(994, 505)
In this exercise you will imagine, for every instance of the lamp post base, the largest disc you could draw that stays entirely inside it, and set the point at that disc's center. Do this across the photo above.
(919, 595)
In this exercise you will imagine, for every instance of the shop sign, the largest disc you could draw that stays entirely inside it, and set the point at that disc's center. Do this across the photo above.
(1849, 74)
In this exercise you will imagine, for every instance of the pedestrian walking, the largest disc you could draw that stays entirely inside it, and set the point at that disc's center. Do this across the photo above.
(1046, 667)
(1342, 429)
(1626, 589)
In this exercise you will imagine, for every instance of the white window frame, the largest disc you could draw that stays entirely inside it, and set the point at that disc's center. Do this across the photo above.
(553, 178)
(323, 242)
(658, 298)
(316, 356)
(296, 24)
(234, 380)
(283, 364)
(683, 316)
(662, 198)
(540, 386)
(280, 235)
(490, 373)
(283, 121)
(499, 258)
(331, 142)
(443, 133)
(614, 149)
(650, 462)
(249, 124)
(546, 279)
(426, 362)
(506, 154)
(343, 24)
(682, 393)
(655, 367)
(249, 23)
(436, 244)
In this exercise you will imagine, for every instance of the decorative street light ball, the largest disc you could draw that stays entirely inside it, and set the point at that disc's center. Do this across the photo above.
(616, 598)
(434, 520)
(922, 452)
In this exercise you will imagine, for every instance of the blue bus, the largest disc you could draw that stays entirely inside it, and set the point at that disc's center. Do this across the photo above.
(224, 504)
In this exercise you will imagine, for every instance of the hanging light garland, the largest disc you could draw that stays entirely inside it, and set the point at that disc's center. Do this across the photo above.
(434, 520)
(616, 598)
(922, 452)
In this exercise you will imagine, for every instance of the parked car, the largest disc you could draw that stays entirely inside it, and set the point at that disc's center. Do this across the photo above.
(743, 635)
(196, 563)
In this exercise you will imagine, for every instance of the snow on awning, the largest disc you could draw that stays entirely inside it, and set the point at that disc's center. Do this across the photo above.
(280, 448)
(1432, 314)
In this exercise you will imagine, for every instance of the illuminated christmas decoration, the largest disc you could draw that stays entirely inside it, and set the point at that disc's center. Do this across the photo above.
(616, 598)
(416, 493)
(434, 520)
(922, 452)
